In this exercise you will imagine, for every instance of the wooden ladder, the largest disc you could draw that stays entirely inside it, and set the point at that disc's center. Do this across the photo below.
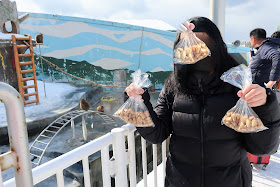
(19, 70)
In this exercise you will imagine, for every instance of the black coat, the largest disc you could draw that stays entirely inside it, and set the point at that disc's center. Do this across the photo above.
(265, 64)
(204, 153)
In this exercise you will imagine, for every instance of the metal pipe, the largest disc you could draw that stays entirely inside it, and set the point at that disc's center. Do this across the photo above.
(17, 134)
(117, 138)
(217, 14)
(140, 49)
(23, 17)
(1, 179)
(73, 129)
(42, 71)
(7, 160)
(84, 127)
(53, 166)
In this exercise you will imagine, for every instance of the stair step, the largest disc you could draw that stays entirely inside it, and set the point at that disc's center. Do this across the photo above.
(30, 94)
(65, 119)
(26, 71)
(55, 127)
(69, 117)
(45, 136)
(110, 122)
(35, 163)
(25, 55)
(37, 148)
(29, 102)
(27, 79)
(22, 46)
(50, 131)
(59, 123)
(62, 120)
(22, 38)
(41, 142)
(26, 63)
(29, 86)
(35, 155)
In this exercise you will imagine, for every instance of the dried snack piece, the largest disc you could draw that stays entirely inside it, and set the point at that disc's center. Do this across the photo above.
(242, 123)
(139, 119)
(249, 122)
(134, 111)
(192, 54)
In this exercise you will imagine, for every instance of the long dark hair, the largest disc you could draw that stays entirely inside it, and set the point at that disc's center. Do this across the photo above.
(224, 60)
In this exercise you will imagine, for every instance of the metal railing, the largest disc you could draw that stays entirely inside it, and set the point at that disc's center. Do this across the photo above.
(18, 156)
(115, 166)
(52, 130)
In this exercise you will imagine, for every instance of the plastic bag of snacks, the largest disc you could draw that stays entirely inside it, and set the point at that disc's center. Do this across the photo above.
(241, 117)
(134, 111)
(189, 49)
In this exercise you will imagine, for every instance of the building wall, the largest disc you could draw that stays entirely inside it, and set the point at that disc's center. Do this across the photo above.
(94, 49)
(97, 50)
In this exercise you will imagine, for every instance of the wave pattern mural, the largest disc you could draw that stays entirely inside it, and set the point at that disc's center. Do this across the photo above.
(104, 44)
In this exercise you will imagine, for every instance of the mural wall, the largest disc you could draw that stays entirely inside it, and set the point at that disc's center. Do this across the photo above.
(95, 49)
(98, 50)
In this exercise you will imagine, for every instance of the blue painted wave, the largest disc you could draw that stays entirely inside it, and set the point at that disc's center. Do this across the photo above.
(147, 62)
(83, 39)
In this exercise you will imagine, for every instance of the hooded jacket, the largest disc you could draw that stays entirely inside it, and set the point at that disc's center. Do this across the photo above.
(204, 153)
(265, 64)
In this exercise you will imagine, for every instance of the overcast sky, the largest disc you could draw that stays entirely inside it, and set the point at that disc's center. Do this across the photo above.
(241, 15)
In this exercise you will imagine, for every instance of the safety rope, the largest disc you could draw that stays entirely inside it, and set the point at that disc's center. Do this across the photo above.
(57, 68)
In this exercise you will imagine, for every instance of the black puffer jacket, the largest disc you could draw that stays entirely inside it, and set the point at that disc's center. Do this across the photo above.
(204, 153)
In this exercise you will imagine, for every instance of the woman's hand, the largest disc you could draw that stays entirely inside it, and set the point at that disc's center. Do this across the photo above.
(270, 84)
(253, 94)
(132, 91)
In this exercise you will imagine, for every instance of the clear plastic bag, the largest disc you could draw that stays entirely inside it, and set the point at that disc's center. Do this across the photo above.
(134, 111)
(241, 117)
(189, 49)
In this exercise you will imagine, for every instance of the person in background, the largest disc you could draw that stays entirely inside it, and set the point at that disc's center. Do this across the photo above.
(276, 34)
(265, 64)
(190, 107)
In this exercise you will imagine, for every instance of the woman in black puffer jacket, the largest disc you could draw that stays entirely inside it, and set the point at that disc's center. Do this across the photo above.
(204, 153)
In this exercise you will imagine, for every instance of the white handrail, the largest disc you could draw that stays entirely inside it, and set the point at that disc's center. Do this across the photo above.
(54, 166)
(120, 157)
(86, 172)
(144, 160)
(130, 129)
(1, 179)
(163, 150)
(57, 165)
(155, 163)
(105, 167)
(17, 135)
(59, 179)
(117, 166)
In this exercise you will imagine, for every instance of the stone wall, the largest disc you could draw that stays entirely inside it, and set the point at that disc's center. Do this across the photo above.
(8, 12)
